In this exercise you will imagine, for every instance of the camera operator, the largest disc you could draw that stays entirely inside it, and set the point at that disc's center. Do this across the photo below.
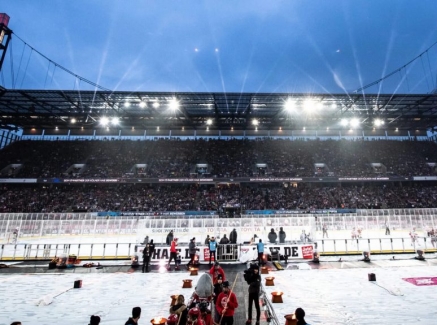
(253, 279)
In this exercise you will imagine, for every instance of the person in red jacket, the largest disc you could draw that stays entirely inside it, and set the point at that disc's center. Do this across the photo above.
(226, 304)
(195, 317)
(173, 253)
(215, 271)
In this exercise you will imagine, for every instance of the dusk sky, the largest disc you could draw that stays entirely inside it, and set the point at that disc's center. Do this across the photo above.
(261, 46)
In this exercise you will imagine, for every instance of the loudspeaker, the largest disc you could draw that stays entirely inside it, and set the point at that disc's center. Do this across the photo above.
(77, 284)
(372, 277)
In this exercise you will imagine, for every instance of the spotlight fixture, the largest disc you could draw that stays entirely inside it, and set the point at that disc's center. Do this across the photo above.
(104, 121)
(289, 105)
(174, 104)
(378, 122)
(115, 121)
(354, 122)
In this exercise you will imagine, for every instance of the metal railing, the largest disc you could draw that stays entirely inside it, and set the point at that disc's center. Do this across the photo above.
(18, 252)
(232, 252)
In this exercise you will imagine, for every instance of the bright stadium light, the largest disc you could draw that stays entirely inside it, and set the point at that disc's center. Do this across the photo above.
(104, 121)
(155, 105)
(142, 104)
(73, 120)
(309, 104)
(209, 122)
(355, 122)
(115, 121)
(378, 122)
(290, 105)
(344, 122)
(255, 122)
(126, 104)
(173, 104)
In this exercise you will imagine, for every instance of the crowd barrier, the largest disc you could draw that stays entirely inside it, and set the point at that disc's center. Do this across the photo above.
(226, 253)
(47, 225)
(94, 236)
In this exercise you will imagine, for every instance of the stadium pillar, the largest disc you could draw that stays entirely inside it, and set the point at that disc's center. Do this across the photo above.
(5, 36)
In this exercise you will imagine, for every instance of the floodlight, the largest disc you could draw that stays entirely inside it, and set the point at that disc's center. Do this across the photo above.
(344, 122)
(142, 104)
(308, 104)
(290, 104)
(208, 121)
(73, 120)
(255, 122)
(126, 104)
(378, 122)
(115, 121)
(104, 121)
(155, 105)
(354, 122)
(173, 104)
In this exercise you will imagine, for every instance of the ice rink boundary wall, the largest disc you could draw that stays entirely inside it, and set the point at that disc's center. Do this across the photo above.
(72, 229)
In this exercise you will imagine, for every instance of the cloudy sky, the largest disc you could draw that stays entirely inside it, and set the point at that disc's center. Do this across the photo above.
(317, 46)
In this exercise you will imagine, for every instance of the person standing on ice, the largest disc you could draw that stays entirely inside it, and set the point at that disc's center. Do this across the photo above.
(218, 288)
(212, 250)
(413, 236)
(136, 314)
(253, 279)
(173, 253)
(226, 304)
(192, 249)
(215, 271)
(180, 309)
(169, 238)
(272, 236)
(15, 236)
(282, 235)
(325, 231)
(147, 255)
(354, 234)
(233, 236)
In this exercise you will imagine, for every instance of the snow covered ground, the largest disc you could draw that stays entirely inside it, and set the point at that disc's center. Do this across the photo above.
(336, 293)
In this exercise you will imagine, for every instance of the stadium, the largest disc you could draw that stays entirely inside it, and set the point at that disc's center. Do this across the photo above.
(90, 176)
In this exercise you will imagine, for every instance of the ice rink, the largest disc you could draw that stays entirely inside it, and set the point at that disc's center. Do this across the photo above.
(330, 292)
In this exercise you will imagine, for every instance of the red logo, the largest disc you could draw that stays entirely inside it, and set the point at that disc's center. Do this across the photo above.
(422, 281)
(307, 252)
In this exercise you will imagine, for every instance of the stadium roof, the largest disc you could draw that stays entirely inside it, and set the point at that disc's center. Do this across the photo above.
(48, 109)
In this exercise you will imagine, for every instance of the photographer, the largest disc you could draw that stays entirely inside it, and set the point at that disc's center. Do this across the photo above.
(253, 279)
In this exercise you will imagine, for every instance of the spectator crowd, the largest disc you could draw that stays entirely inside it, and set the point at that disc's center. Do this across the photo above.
(224, 158)
(177, 158)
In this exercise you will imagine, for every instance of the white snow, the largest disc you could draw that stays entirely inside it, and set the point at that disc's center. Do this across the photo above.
(329, 296)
